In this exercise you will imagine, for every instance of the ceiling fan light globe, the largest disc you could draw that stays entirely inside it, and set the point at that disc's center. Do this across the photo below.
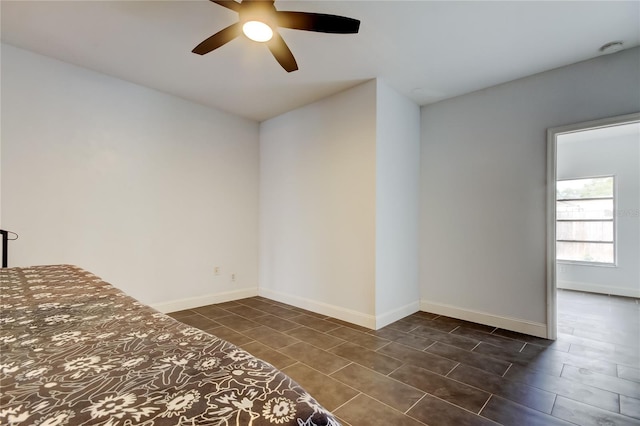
(257, 31)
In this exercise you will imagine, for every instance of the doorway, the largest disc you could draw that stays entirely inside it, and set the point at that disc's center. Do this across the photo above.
(593, 228)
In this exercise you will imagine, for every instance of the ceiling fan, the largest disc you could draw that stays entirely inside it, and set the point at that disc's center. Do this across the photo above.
(259, 20)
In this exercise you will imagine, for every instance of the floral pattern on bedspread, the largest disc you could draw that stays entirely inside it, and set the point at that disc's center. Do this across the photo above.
(76, 350)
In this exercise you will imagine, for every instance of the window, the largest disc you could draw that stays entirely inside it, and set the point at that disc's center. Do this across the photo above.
(585, 227)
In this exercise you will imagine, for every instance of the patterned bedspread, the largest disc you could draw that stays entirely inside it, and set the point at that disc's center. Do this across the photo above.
(75, 350)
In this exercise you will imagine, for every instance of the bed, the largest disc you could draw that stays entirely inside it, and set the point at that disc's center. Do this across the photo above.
(74, 350)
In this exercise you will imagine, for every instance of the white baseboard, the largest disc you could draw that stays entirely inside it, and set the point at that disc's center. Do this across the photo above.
(354, 317)
(338, 312)
(396, 314)
(196, 302)
(513, 324)
(596, 288)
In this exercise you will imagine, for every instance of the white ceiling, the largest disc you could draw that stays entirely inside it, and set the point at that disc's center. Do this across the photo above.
(427, 50)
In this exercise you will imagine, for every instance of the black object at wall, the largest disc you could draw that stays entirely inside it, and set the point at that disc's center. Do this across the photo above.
(5, 245)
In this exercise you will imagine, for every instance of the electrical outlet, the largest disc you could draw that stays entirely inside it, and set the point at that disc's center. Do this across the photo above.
(216, 270)
(233, 277)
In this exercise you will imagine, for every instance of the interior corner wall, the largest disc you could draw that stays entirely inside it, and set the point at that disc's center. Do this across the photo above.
(317, 205)
(144, 189)
(483, 165)
(397, 291)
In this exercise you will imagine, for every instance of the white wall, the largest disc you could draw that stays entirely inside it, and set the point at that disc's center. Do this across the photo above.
(339, 200)
(483, 165)
(397, 205)
(150, 191)
(317, 205)
(603, 152)
(144, 189)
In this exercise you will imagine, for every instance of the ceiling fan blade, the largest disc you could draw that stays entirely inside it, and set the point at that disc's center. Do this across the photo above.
(229, 4)
(318, 22)
(218, 39)
(282, 53)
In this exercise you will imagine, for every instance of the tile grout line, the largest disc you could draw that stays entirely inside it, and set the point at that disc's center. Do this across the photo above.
(507, 370)
(348, 401)
(460, 407)
(283, 347)
(504, 397)
(392, 379)
(425, 349)
(324, 374)
(396, 369)
(454, 367)
(395, 409)
(555, 399)
(414, 404)
(292, 365)
(385, 345)
(341, 368)
(485, 404)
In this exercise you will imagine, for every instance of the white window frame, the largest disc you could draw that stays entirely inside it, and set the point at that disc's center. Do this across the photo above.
(613, 220)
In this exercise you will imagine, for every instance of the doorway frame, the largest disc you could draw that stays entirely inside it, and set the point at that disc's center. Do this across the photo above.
(552, 175)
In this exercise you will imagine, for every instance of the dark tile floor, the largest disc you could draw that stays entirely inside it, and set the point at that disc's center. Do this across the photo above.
(432, 370)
